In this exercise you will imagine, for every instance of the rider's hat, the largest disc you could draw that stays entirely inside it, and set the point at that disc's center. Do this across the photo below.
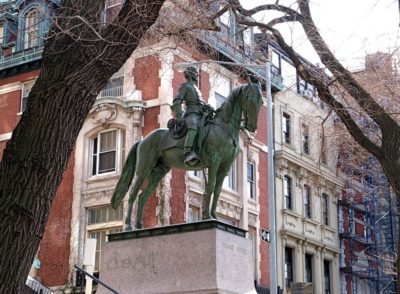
(191, 70)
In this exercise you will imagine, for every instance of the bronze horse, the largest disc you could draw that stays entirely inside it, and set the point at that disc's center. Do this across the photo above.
(154, 156)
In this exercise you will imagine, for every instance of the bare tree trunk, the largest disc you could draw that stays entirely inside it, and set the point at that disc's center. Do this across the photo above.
(72, 74)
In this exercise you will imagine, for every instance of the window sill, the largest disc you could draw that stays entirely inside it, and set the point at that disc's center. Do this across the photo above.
(290, 212)
(102, 177)
(230, 191)
(328, 228)
(195, 179)
(311, 221)
(19, 113)
(288, 145)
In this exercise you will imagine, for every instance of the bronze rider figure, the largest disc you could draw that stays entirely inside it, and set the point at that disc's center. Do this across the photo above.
(195, 106)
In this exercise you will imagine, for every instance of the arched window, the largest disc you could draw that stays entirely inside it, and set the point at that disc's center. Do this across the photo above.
(31, 37)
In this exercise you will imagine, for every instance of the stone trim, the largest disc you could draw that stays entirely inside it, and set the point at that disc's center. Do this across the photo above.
(180, 228)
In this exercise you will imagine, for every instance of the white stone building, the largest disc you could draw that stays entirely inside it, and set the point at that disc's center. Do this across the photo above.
(307, 190)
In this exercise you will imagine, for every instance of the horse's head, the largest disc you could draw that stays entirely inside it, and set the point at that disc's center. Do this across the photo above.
(251, 104)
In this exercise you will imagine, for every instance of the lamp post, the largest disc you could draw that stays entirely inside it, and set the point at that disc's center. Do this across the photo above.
(271, 170)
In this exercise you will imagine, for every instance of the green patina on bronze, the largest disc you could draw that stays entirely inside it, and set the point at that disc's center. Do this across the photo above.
(154, 156)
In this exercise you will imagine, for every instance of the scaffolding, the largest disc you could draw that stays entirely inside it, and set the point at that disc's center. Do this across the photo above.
(368, 226)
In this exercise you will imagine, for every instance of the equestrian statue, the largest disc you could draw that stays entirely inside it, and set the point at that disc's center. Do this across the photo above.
(211, 142)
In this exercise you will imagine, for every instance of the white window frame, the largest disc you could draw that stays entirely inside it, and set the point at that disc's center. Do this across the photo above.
(307, 201)
(231, 179)
(286, 128)
(305, 139)
(251, 183)
(24, 95)
(288, 192)
(118, 152)
(325, 206)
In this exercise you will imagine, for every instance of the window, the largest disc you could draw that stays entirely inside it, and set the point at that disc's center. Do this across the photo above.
(288, 267)
(308, 258)
(325, 209)
(26, 89)
(289, 74)
(106, 151)
(31, 37)
(193, 214)
(286, 127)
(194, 173)
(230, 179)
(305, 139)
(104, 215)
(101, 238)
(251, 193)
(287, 191)
(112, 8)
(225, 18)
(327, 277)
(113, 89)
(307, 201)
(276, 63)
(306, 89)
(222, 88)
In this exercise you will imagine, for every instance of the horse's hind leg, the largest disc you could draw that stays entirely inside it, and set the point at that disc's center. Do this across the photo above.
(132, 197)
(212, 172)
(221, 174)
(154, 178)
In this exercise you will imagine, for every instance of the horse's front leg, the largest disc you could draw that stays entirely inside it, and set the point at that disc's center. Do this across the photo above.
(212, 172)
(220, 176)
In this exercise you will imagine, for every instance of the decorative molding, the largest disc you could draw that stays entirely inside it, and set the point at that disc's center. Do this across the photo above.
(10, 88)
(104, 113)
(137, 115)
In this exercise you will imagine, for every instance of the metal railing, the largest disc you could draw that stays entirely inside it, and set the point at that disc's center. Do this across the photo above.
(82, 271)
(113, 89)
(20, 57)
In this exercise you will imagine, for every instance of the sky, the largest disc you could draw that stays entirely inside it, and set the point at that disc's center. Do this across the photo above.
(352, 28)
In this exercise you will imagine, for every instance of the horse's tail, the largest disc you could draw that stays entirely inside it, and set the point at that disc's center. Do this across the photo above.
(126, 177)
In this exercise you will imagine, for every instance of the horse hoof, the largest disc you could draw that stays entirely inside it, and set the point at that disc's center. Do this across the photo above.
(139, 226)
(128, 228)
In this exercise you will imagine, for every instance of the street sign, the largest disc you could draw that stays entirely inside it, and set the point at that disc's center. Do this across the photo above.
(265, 235)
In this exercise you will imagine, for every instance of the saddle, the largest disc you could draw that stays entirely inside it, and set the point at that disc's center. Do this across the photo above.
(178, 130)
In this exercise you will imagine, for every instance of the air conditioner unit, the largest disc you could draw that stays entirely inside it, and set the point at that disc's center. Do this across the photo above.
(306, 94)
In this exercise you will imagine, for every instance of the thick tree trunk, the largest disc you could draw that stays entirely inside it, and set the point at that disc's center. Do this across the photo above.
(38, 152)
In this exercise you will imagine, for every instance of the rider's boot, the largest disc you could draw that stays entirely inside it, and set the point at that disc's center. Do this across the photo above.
(189, 156)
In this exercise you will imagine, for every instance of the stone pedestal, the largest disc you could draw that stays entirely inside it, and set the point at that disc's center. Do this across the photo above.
(203, 257)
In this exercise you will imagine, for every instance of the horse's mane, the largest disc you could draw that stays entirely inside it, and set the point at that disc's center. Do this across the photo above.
(226, 107)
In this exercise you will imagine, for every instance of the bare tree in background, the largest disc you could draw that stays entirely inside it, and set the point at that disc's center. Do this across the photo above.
(385, 144)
